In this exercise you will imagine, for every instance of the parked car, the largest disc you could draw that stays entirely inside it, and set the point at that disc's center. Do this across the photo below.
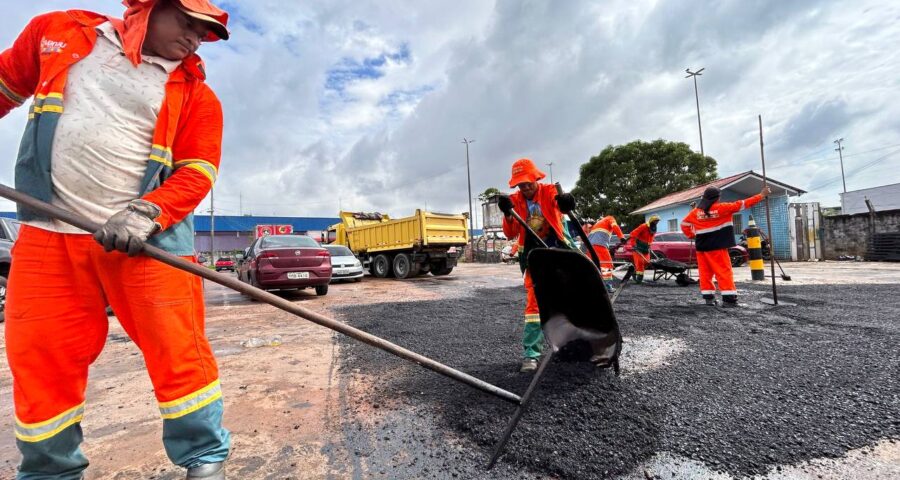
(224, 263)
(344, 265)
(676, 246)
(284, 262)
(9, 232)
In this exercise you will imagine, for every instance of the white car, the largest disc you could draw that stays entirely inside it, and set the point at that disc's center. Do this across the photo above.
(344, 265)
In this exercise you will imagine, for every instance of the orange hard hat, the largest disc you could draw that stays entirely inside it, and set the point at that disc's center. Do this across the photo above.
(524, 171)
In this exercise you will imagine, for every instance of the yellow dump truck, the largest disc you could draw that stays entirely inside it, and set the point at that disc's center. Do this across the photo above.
(402, 247)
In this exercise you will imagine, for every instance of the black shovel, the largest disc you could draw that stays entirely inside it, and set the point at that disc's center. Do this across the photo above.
(576, 315)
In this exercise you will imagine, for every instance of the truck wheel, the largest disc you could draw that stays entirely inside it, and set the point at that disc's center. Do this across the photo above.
(403, 266)
(441, 271)
(440, 268)
(381, 266)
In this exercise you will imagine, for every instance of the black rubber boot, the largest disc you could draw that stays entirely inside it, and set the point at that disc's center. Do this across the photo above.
(710, 300)
(729, 301)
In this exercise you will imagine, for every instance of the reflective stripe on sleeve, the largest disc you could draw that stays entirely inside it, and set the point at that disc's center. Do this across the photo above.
(206, 168)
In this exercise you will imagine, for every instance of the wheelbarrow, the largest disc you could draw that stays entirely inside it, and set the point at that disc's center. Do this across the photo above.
(666, 269)
(577, 315)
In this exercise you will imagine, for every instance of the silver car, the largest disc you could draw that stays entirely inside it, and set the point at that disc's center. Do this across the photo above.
(344, 265)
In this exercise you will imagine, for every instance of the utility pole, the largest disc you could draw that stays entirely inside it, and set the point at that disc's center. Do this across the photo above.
(841, 154)
(551, 172)
(212, 226)
(469, 178)
(241, 203)
(697, 98)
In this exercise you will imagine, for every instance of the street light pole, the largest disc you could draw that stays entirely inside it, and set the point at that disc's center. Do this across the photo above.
(551, 171)
(469, 180)
(697, 98)
(841, 154)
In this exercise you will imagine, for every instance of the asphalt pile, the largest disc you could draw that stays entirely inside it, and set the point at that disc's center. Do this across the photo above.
(756, 388)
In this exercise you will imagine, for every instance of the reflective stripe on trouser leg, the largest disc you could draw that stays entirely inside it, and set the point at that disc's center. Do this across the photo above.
(532, 335)
(162, 310)
(639, 265)
(56, 326)
(606, 263)
(721, 265)
(705, 272)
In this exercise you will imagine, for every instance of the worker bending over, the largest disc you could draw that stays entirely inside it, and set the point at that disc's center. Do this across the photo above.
(640, 239)
(123, 130)
(711, 224)
(599, 236)
(542, 208)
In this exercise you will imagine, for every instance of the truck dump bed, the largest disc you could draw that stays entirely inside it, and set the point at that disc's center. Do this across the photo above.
(422, 230)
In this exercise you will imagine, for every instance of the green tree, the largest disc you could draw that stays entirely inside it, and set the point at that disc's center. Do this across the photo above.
(623, 178)
(490, 192)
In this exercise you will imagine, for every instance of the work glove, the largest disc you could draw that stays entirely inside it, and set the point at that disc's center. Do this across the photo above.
(566, 202)
(505, 204)
(127, 230)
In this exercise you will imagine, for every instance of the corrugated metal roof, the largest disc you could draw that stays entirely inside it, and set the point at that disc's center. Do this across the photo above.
(691, 194)
(884, 197)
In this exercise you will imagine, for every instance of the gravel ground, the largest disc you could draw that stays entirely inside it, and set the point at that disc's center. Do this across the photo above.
(739, 392)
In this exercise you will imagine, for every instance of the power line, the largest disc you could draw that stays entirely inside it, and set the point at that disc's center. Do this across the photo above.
(794, 162)
(854, 171)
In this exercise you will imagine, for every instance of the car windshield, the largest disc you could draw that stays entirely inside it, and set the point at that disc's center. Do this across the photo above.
(223, 259)
(289, 241)
(338, 251)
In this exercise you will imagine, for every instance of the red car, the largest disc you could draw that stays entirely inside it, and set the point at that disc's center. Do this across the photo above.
(224, 263)
(676, 246)
(285, 262)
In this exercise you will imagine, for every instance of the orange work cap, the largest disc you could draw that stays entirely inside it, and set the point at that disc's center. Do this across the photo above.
(133, 27)
(209, 13)
(524, 171)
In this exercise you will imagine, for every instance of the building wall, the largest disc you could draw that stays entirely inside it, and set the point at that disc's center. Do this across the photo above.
(781, 229)
(235, 241)
(779, 212)
(849, 234)
(224, 241)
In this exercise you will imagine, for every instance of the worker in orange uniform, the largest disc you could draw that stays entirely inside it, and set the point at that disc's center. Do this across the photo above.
(640, 240)
(711, 224)
(542, 207)
(123, 130)
(599, 236)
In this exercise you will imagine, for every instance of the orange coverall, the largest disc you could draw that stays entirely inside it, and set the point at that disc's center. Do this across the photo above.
(641, 238)
(714, 233)
(599, 237)
(60, 283)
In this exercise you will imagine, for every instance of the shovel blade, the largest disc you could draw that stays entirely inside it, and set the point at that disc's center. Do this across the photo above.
(576, 314)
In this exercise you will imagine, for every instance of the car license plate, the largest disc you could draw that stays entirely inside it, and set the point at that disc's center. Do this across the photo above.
(341, 271)
(297, 275)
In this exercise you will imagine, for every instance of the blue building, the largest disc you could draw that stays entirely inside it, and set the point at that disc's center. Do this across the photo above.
(674, 207)
(234, 233)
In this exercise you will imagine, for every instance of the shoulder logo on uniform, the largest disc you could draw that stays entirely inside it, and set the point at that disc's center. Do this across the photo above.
(51, 46)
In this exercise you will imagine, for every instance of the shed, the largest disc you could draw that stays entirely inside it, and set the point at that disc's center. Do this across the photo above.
(674, 207)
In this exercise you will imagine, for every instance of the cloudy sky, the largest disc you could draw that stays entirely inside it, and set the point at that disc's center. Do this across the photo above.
(364, 105)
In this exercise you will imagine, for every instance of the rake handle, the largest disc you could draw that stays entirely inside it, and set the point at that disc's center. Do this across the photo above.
(264, 296)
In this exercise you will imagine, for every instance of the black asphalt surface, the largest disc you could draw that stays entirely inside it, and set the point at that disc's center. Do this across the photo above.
(758, 388)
